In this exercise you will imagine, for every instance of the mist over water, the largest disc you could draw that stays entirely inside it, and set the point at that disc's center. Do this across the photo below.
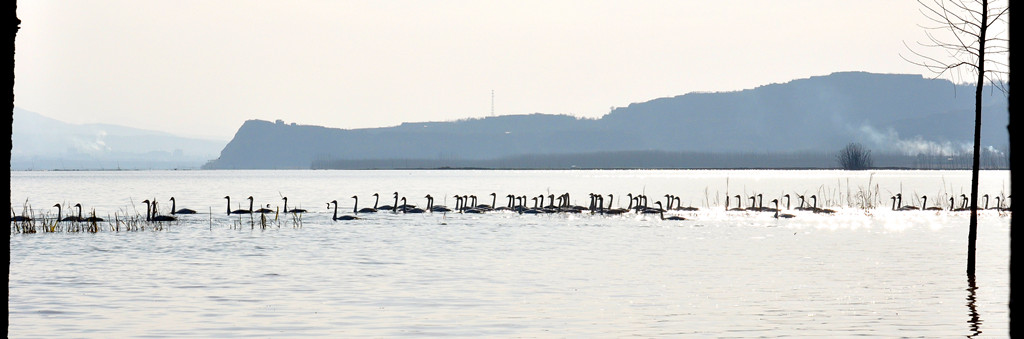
(864, 270)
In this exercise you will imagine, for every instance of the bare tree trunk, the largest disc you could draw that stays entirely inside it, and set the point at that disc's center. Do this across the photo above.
(972, 235)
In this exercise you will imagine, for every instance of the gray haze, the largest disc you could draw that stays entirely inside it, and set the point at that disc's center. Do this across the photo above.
(41, 143)
(201, 68)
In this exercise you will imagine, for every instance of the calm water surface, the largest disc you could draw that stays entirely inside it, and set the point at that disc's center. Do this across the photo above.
(864, 271)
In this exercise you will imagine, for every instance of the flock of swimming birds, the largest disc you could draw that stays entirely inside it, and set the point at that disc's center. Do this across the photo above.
(468, 204)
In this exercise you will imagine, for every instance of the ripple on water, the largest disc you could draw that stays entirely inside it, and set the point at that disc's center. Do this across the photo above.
(509, 275)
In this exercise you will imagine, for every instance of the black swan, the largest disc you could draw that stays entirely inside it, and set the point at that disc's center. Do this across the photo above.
(152, 216)
(898, 206)
(802, 207)
(264, 210)
(91, 218)
(435, 208)
(294, 210)
(679, 205)
(239, 211)
(963, 206)
(344, 217)
(620, 210)
(814, 206)
(181, 211)
(780, 215)
(924, 204)
(739, 205)
(15, 217)
(356, 209)
(68, 218)
(661, 213)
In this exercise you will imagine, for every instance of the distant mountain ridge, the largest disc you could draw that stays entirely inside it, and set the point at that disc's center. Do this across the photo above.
(42, 143)
(888, 113)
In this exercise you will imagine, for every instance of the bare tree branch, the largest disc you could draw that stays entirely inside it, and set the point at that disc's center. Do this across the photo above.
(962, 21)
(970, 50)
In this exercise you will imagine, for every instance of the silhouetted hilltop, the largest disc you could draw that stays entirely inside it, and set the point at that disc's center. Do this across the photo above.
(821, 113)
(888, 113)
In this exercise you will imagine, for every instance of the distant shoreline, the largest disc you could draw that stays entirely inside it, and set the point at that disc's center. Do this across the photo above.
(519, 169)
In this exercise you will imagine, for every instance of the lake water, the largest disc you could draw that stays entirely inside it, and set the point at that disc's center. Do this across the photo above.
(864, 270)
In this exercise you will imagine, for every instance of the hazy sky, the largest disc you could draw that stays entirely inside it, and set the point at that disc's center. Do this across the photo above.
(201, 68)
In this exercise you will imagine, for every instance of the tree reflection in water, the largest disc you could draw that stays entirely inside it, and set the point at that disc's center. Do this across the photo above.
(972, 298)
